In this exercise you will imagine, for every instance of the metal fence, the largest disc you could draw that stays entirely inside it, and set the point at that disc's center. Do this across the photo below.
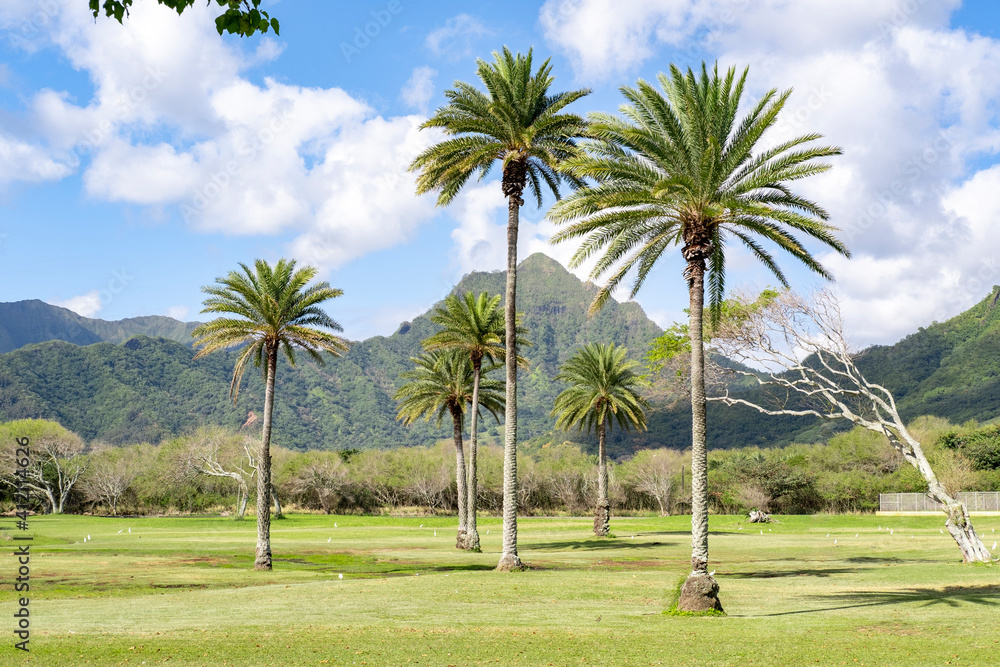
(975, 501)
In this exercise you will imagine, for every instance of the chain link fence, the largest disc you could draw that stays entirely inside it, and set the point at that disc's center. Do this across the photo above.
(975, 501)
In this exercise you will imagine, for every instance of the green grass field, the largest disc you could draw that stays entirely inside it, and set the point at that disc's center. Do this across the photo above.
(180, 590)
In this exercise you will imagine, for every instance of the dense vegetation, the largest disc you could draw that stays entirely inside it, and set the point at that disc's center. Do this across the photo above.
(845, 474)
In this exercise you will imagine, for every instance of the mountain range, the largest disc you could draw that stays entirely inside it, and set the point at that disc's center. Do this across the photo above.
(136, 380)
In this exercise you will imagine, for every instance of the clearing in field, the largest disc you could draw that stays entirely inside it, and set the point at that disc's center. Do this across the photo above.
(826, 590)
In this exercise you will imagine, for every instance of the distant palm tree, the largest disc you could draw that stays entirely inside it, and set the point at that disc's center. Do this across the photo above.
(603, 387)
(517, 122)
(273, 310)
(475, 326)
(678, 169)
(442, 383)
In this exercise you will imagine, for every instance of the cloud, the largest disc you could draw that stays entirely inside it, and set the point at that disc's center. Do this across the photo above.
(174, 122)
(911, 101)
(457, 38)
(84, 305)
(178, 312)
(419, 88)
(481, 234)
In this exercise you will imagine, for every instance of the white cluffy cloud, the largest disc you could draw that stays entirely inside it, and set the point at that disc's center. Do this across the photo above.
(419, 88)
(912, 102)
(457, 37)
(174, 122)
(84, 305)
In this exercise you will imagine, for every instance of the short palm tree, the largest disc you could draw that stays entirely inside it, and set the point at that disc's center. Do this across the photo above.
(474, 325)
(519, 123)
(270, 309)
(603, 387)
(678, 169)
(443, 382)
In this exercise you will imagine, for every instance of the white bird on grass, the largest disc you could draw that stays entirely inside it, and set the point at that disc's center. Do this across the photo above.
(421, 525)
(88, 537)
(828, 534)
(130, 529)
(762, 532)
(435, 533)
(712, 573)
(340, 576)
(994, 547)
(120, 531)
(856, 534)
(835, 541)
(890, 531)
(487, 531)
(334, 524)
(328, 540)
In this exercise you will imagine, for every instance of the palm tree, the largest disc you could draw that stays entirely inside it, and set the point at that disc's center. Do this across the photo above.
(443, 382)
(272, 309)
(517, 122)
(677, 169)
(475, 326)
(603, 387)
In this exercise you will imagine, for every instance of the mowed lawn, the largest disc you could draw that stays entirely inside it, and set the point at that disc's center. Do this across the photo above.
(181, 591)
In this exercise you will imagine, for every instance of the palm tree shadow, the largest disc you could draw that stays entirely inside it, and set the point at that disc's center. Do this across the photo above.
(592, 545)
(949, 596)
(772, 574)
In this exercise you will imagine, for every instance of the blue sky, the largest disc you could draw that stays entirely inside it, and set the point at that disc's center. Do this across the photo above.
(140, 162)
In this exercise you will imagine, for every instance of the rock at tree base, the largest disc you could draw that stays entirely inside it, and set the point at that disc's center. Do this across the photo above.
(700, 593)
(602, 519)
(510, 563)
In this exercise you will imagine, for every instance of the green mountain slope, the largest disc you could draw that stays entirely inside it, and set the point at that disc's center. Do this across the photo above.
(950, 369)
(26, 322)
(149, 388)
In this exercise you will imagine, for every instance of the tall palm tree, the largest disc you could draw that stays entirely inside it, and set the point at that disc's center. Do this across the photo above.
(519, 123)
(475, 326)
(677, 169)
(443, 381)
(603, 387)
(271, 309)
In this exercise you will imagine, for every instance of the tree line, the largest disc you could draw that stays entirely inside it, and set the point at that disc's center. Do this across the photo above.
(211, 471)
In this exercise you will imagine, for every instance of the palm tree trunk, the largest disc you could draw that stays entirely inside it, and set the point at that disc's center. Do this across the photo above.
(278, 514)
(472, 488)
(463, 522)
(700, 590)
(699, 450)
(263, 559)
(602, 515)
(509, 559)
(242, 504)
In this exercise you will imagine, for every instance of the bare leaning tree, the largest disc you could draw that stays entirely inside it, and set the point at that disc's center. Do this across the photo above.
(810, 369)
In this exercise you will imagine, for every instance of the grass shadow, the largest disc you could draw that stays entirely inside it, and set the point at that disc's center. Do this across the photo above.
(812, 572)
(591, 545)
(949, 596)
